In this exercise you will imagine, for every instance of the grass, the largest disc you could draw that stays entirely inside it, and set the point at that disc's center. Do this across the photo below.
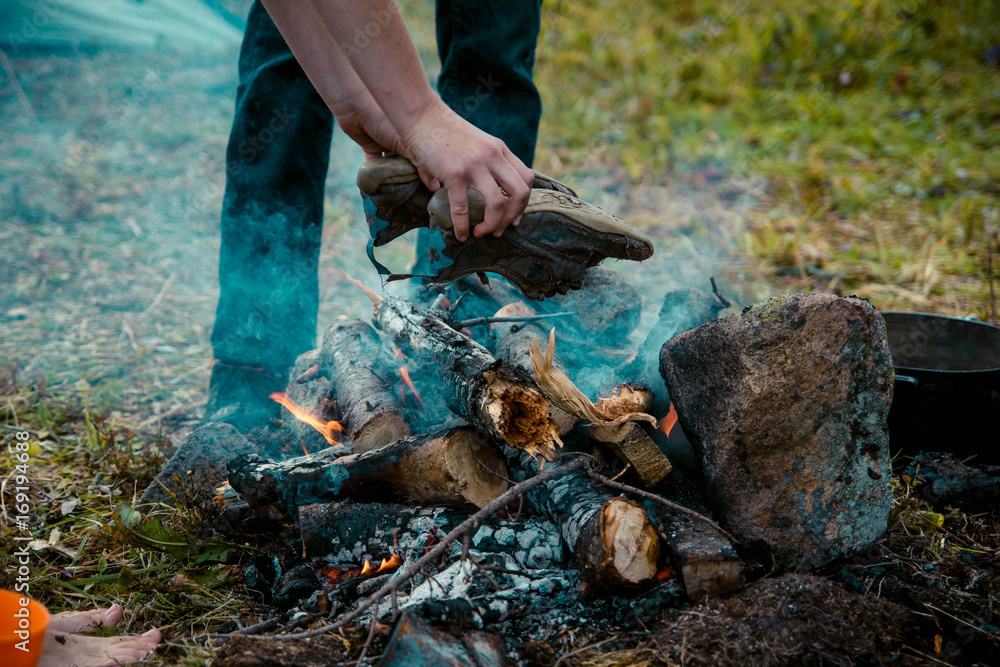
(850, 147)
(873, 126)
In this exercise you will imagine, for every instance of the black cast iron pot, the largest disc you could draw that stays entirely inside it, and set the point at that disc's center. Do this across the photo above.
(947, 392)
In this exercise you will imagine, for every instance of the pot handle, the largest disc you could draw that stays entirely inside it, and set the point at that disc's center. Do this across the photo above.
(908, 379)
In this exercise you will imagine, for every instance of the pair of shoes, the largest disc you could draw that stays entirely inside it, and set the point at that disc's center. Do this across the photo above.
(559, 237)
(238, 395)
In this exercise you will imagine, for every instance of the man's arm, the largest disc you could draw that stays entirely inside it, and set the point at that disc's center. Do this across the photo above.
(359, 52)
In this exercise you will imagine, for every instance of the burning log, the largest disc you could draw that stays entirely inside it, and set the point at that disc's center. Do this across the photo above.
(456, 467)
(370, 414)
(612, 420)
(493, 395)
(309, 389)
(614, 544)
(513, 346)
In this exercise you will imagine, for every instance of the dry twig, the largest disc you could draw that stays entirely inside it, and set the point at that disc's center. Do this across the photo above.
(625, 488)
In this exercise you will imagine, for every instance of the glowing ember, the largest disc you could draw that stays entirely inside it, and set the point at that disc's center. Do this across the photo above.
(331, 430)
(665, 573)
(667, 423)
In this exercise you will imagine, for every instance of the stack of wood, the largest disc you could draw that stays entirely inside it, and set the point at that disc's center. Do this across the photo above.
(511, 411)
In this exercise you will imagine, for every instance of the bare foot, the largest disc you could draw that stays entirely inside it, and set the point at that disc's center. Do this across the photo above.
(86, 621)
(68, 650)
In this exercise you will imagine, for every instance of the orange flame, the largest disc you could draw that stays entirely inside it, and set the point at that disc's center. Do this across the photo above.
(667, 423)
(404, 374)
(666, 573)
(394, 561)
(331, 430)
(366, 570)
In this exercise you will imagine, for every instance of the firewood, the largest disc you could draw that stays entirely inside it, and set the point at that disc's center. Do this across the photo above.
(456, 467)
(705, 559)
(611, 420)
(493, 395)
(370, 413)
(613, 541)
(637, 448)
(618, 548)
(512, 344)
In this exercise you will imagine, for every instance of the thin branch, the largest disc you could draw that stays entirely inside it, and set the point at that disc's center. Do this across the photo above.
(371, 636)
(454, 306)
(625, 488)
(477, 321)
(440, 548)
(372, 295)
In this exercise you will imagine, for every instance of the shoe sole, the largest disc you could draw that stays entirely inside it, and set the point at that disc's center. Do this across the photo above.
(558, 239)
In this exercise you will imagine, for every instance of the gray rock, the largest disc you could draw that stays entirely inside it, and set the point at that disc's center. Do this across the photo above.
(199, 464)
(786, 406)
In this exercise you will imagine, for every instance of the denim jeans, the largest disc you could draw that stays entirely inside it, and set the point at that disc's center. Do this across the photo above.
(279, 151)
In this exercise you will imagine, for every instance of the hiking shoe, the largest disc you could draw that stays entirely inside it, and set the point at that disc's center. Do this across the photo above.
(238, 395)
(558, 239)
(395, 199)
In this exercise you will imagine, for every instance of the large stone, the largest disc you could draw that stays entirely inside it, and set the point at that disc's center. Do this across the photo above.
(786, 406)
(199, 465)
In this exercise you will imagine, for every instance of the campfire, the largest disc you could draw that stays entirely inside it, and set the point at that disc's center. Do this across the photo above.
(467, 399)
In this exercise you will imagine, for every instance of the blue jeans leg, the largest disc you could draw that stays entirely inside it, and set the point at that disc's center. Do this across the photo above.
(276, 165)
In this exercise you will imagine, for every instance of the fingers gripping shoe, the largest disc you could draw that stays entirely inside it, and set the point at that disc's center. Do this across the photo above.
(395, 199)
(558, 239)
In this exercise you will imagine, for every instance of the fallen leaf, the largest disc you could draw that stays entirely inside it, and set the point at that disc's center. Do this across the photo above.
(68, 506)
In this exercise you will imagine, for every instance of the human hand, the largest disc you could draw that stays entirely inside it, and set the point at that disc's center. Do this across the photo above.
(365, 123)
(462, 157)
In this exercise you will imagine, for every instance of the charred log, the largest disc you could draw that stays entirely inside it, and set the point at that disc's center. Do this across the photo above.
(495, 396)
(512, 345)
(457, 467)
(371, 415)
